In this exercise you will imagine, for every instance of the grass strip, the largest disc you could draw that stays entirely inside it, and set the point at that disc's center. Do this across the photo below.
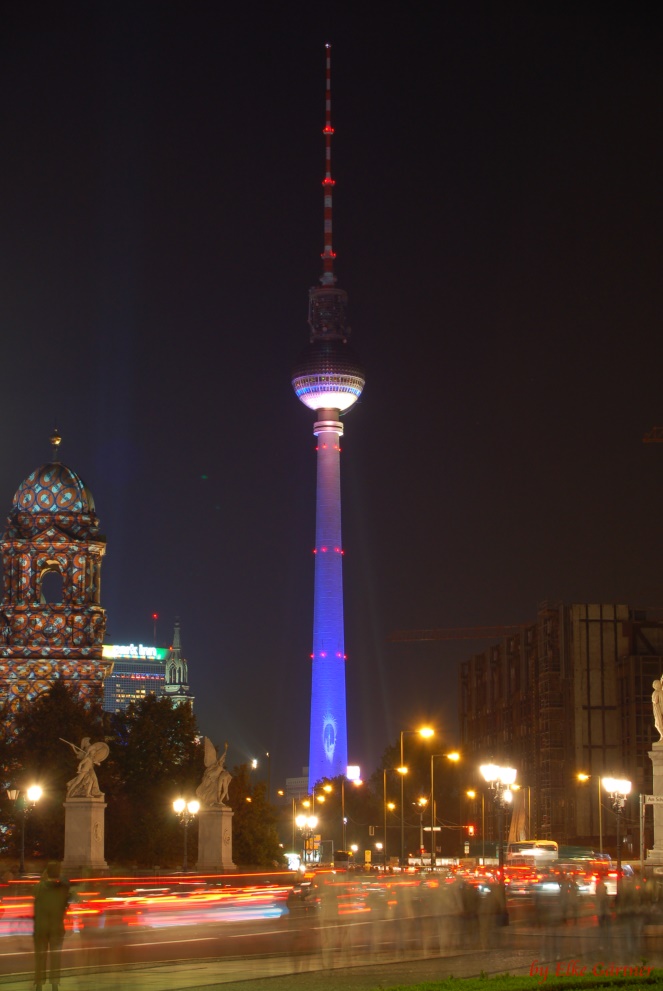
(509, 982)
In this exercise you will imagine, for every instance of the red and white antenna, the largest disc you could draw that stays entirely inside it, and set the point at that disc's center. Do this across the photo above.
(328, 278)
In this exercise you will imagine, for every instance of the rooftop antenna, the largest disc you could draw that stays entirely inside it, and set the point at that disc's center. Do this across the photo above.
(328, 278)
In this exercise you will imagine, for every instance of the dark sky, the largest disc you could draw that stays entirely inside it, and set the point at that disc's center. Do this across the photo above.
(497, 219)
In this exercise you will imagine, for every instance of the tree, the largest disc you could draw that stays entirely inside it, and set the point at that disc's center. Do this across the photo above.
(255, 836)
(34, 754)
(155, 758)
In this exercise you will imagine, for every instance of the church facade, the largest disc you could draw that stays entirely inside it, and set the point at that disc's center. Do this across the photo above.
(52, 624)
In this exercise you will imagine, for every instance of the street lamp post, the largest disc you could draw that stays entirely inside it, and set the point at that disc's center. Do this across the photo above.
(454, 756)
(32, 796)
(269, 775)
(472, 794)
(619, 789)
(421, 803)
(581, 776)
(384, 812)
(186, 811)
(402, 771)
(353, 774)
(425, 732)
(499, 780)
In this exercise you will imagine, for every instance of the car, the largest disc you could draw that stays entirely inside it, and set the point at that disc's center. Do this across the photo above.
(520, 880)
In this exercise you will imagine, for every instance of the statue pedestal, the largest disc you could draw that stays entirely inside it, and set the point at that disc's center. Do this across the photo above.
(215, 841)
(84, 835)
(655, 856)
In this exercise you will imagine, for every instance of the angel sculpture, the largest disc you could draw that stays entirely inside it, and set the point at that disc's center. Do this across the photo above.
(213, 789)
(657, 706)
(85, 784)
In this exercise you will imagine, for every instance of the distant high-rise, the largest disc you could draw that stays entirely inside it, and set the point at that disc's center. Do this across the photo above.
(328, 378)
(139, 671)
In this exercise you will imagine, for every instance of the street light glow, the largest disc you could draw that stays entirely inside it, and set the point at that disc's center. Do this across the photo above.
(493, 773)
(619, 786)
(34, 793)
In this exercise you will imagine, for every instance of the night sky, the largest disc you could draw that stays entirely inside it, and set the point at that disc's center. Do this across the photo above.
(497, 220)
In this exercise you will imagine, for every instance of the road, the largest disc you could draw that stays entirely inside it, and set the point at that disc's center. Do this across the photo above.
(219, 953)
(176, 945)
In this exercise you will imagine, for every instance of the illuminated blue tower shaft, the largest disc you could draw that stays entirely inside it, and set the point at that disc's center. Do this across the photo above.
(328, 752)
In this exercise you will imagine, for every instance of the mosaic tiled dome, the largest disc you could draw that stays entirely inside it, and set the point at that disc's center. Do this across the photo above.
(53, 488)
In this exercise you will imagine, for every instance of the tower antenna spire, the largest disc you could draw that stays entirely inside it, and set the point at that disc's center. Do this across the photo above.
(328, 278)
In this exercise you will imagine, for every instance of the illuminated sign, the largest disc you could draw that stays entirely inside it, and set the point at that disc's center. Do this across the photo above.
(137, 651)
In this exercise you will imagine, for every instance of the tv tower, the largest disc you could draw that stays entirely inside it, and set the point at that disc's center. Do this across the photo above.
(328, 378)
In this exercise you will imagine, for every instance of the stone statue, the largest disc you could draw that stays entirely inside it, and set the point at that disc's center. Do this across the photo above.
(213, 789)
(85, 784)
(657, 706)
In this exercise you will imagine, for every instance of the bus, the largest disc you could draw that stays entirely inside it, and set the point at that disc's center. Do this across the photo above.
(532, 852)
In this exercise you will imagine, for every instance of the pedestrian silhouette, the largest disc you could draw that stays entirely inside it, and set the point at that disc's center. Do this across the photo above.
(51, 900)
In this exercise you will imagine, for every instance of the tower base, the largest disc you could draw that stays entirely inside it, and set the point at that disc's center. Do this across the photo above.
(215, 841)
(655, 856)
(84, 836)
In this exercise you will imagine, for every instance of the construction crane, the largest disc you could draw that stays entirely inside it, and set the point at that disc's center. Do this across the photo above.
(654, 436)
(457, 633)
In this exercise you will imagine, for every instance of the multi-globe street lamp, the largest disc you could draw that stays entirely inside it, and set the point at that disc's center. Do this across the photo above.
(186, 811)
(306, 824)
(24, 803)
(425, 732)
(499, 780)
(619, 789)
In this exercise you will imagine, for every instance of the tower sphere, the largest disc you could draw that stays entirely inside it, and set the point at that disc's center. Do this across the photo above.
(328, 375)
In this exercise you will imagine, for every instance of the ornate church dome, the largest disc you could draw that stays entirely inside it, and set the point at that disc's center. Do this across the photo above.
(53, 488)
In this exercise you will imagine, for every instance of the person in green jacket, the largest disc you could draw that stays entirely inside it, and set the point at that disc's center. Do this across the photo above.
(51, 899)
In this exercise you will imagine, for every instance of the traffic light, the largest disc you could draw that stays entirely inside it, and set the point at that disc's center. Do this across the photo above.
(470, 830)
